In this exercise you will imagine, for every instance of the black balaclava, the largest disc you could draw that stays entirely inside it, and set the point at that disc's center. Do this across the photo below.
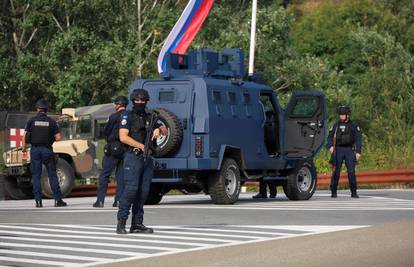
(140, 107)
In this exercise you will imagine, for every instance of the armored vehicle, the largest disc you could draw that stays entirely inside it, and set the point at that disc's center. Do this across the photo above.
(78, 154)
(224, 131)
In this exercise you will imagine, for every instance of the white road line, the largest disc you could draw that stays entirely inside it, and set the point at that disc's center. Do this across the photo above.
(96, 244)
(52, 255)
(149, 235)
(304, 228)
(44, 262)
(136, 238)
(89, 237)
(220, 230)
(89, 250)
(208, 234)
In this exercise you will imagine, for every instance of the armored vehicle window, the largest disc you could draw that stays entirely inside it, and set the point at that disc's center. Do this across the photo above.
(216, 97)
(17, 120)
(232, 98)
(246, 98)
(84, 127)
(65, 129)
(305, 107)
(167, 96)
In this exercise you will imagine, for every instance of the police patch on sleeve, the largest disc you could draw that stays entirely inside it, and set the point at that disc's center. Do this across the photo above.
(123, 122)
(358, 129)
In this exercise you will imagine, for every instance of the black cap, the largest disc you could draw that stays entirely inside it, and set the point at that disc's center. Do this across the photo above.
(140, 94)
(344, 110)
(121, 100)
(42, 104)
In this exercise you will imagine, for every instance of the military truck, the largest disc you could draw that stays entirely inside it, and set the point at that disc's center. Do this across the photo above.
(78, 154)
(224, 130)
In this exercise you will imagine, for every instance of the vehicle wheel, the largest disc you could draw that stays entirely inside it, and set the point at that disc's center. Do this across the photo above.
(66, 178)
(169, 144)
(14, 191)
(224, 186)
(301, 183)
(154, 196)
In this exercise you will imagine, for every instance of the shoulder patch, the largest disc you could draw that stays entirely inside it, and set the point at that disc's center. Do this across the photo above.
(123, 122)
(358, 129)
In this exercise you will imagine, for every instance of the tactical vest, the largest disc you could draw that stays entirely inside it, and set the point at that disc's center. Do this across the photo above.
(139, 124)
(345, 135)
(40, 131)
(114, 136)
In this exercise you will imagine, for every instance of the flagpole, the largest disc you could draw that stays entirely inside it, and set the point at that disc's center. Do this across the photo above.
(252, 38)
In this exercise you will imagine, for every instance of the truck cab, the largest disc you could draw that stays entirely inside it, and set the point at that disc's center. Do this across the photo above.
(224, 131)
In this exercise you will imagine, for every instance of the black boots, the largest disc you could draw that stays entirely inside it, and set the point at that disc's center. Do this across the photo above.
(259, 195)
(60, 203)
(120, 228)
(39, 204)
(140, 228)
(354, 194)
(98, 204)
(334, 194)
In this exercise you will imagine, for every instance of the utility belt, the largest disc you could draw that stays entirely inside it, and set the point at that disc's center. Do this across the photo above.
(135, 151)
(114, 149)
(344, 145)
(42, 145)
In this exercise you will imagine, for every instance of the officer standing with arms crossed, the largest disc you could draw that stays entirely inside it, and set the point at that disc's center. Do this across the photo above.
(41, 132)
(138, 171)
(114, 153)
(344, 143)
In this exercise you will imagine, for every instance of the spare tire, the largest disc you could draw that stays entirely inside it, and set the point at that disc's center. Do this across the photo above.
(167, 145)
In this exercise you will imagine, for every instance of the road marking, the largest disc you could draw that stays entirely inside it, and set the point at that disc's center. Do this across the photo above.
(43, 262)
(41, 246)
(52, 255)
(99, 251)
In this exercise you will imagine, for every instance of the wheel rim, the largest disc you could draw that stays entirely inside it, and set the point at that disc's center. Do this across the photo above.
(61, 177)
(163, 140)
(230, 181)
(304, 179)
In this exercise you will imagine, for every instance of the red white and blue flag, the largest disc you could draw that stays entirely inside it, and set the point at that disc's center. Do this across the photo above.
(185, 30)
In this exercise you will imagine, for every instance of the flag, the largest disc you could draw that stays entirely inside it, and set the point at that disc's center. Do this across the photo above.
(184, 30)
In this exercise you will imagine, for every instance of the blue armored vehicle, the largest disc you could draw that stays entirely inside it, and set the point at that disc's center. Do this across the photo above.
(224, 131)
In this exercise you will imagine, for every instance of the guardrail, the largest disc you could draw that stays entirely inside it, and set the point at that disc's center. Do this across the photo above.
(371, 177)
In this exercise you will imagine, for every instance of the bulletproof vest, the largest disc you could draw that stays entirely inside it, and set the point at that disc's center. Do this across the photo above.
(40, 131)
(345, 135)
(139, 124)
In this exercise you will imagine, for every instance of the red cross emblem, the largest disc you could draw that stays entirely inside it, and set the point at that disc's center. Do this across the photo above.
(16, 137)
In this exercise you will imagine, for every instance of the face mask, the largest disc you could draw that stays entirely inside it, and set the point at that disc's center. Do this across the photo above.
(139, 107)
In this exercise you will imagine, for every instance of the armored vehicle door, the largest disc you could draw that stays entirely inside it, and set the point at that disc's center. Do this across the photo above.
(305, 120)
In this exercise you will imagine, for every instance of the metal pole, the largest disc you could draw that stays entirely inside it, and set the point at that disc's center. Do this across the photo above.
(252, 38)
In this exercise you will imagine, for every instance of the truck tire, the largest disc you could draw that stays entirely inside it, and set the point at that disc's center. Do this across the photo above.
(154, 196)
(66, 178)
(14, 191)
(301, 183)
(170, 143)
(224, 186)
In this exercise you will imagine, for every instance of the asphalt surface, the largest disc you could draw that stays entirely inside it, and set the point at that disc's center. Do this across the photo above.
(373, 230)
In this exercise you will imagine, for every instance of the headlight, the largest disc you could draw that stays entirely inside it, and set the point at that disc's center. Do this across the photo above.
(8, 158)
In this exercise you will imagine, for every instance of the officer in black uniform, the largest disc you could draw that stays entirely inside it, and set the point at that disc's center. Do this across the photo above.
(138, 171)
(41, 132)
(114, 153)
(344, 143)
(263, 191)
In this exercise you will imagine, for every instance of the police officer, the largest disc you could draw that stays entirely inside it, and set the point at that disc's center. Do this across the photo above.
(344, 143)
(114, 153)
(138, 170)
(41, 132)
(263, 190)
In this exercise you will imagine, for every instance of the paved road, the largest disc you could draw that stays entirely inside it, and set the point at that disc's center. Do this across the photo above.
(190, 225)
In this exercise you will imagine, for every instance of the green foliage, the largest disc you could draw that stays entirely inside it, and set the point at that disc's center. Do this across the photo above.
(359, 52)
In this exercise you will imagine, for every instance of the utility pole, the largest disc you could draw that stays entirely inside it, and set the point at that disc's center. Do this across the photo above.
(139, 71)
(252, 38)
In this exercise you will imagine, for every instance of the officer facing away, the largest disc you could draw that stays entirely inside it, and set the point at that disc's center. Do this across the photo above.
(41, 132)
(344, 143)
(113, 157)
(138, 170)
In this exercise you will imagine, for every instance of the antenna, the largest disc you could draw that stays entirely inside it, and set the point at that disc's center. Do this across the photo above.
(252, 38)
